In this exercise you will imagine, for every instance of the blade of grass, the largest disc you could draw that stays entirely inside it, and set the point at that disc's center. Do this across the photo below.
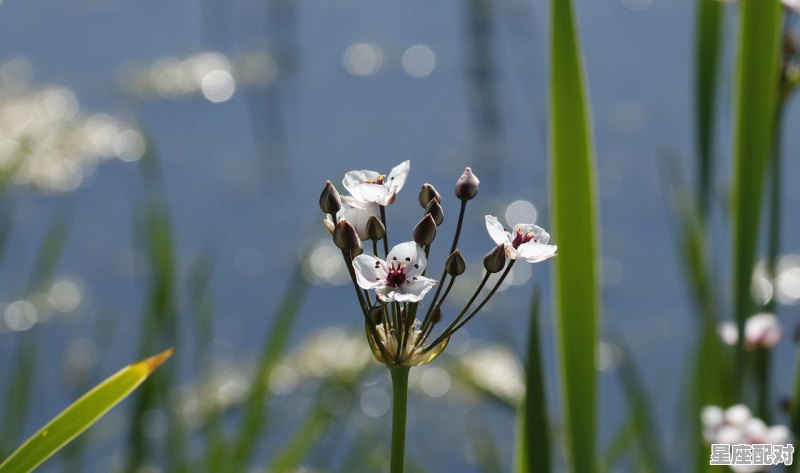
(533, 431)
(574, 211)
(255, 417)
(756, 92)
(80, 415)
(707, 53)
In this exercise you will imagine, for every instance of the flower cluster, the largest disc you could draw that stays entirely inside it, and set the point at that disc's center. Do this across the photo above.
(736, 425)
(760, 331)
(399, 332)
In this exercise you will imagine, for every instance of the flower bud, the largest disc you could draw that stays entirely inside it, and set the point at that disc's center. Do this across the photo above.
(427, 194)
(376, 314)
(435, 209)
(375, 228)
(467, 185)
(436, 316)
(425, 231)
(345, 237)
(455, 264)
(495, 260)
(329, 200)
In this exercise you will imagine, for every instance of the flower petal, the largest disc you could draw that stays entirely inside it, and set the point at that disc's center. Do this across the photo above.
(357, 217)
(496, 230)
(370, 271)
(411, 256)
(533, 252)
(412, 291)
(360, 188)
(397, 176)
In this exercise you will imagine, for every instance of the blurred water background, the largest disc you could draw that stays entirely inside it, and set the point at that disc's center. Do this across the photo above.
(243, 109)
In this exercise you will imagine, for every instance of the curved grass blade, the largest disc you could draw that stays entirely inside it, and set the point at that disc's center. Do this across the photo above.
(756, 101)
(574, 210)
(80, 415)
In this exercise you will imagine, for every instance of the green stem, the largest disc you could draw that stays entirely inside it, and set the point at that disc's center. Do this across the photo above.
(399, 407)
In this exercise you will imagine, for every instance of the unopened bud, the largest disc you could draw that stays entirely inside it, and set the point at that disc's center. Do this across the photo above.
(329, 200)
(495, 260)
(455, 264)
(427, 194)
(467, 185)
(376, 314)
(375, 228)
(436, 316)
(435, 209)
(345, 237)
(425, 231)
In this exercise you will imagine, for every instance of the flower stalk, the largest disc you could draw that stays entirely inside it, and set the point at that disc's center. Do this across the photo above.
(399, 411)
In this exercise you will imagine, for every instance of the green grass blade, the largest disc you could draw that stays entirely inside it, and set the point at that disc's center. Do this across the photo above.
(533, 431)
(80, 415)
(255, 415)
(575, 229)
(756, 99)
(708, 38)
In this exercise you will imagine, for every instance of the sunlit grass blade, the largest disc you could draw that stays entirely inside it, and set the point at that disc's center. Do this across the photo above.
(621, 442)
(574, 203)
(707, 57)
(255, 415)
(756, 90)
(533, 431)
(80, 415)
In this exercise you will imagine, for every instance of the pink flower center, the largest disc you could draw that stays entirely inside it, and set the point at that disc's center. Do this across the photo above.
(521, 238)
(396, 276)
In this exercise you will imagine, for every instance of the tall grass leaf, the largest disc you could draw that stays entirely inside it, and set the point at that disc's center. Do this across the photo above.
(533, 431)
(254, 418)
(707, 58)
(575, 230)
(756, 100)
(80, 415)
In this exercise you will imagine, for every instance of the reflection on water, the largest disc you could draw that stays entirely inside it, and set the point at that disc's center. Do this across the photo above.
(45, 139)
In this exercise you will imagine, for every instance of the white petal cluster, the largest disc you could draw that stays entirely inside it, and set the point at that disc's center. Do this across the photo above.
(737, 425)
(374, 188)
(526, 241)
(760, 331)
(399, 278)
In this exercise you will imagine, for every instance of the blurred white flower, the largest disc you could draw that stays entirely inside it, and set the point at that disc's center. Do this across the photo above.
(737, 425)
(791, 4)
(525, 241)
(371, 187)
(760, 331)
(496, 370)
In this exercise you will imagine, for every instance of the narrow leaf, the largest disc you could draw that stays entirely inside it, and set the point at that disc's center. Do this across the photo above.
(80, 415)
(574, 210)
(756, 98)
(533, 432)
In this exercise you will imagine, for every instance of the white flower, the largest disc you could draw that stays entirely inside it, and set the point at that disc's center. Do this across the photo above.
(528, 242)
(760, 331)
(356, 213)
(398, 280)
(371, 187)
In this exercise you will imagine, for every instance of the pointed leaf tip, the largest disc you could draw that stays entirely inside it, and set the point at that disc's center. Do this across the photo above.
(156, 360)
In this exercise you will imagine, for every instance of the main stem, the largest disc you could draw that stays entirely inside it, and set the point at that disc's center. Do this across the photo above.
(399, 408)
